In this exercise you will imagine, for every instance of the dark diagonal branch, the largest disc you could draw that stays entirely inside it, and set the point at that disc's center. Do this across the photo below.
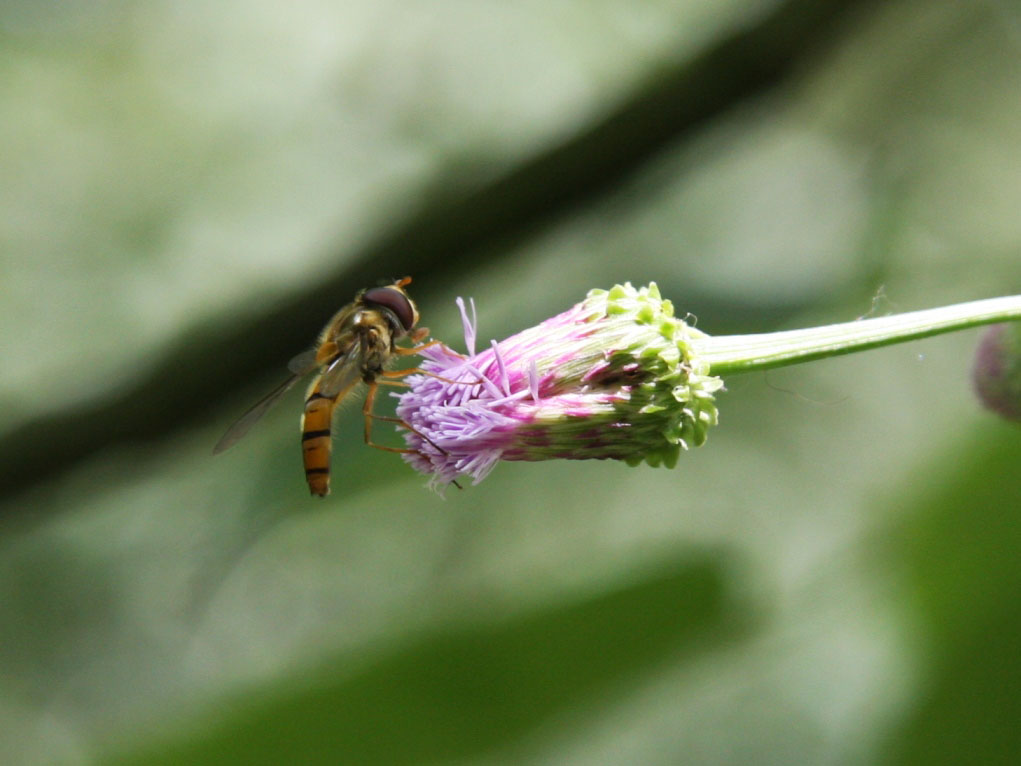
(201, 370)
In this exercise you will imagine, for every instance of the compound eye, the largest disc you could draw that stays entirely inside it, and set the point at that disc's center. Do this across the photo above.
(393, 299)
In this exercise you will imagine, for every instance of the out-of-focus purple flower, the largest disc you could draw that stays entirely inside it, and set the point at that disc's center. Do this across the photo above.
(612, 377)
(997, 370)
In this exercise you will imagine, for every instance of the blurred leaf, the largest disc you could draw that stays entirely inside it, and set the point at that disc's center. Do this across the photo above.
(961, 555)
(472, 689)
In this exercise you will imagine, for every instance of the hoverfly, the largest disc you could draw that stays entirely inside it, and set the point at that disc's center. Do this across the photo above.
(355, 346)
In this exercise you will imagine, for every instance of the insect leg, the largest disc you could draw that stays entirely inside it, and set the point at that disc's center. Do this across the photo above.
(370, 400)
(401, 351)
(420, 371)
(370, 416)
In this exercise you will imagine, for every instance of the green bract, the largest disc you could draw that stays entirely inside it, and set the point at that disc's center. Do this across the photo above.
(669, 403)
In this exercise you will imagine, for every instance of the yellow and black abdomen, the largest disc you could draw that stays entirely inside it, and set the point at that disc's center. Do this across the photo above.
(316, 441)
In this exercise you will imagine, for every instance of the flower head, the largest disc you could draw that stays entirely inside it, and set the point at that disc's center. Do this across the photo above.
(612, 377)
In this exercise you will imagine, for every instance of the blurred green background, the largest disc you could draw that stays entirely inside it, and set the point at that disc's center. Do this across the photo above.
(189, 190)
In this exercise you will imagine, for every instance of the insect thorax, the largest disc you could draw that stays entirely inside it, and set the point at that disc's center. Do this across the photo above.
(377, 347)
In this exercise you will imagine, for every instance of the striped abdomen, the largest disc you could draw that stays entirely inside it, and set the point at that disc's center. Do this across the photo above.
(315, 440)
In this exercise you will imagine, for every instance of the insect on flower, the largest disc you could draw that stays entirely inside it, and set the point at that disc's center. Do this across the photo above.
(355, 346)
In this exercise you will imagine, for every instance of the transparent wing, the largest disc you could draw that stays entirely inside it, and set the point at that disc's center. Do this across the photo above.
(343, 373)
(303, 363)
(257, 410)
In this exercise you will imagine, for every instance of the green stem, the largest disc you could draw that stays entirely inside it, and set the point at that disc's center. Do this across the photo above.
(730, 354)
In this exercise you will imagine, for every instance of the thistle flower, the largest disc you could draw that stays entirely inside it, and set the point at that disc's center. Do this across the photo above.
(616, 376)
(612, 377)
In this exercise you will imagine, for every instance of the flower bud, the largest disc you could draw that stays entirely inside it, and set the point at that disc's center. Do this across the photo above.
(997, 370)
(613, 377)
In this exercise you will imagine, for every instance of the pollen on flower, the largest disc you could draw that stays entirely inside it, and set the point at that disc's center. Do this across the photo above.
(612, 377)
